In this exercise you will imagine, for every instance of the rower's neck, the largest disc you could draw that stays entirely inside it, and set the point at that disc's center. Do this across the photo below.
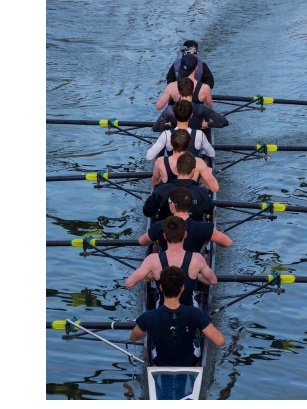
(186, 177)
(172, 303)
(188, 98)
(182, 125)
(183, 215)
(176, 154)
(175, 247)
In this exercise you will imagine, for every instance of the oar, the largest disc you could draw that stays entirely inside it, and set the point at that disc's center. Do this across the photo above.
(93, 176)
(244, 296)
(87, 243)
(62, 324)
(101, 176)
(104, 340)
(283, 279)
(105, 123)
(95, 242)
(269, 147)
(239, 160)
(258, 99)
(277, 207)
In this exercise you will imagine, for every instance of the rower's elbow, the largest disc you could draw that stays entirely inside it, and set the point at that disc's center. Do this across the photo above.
(227, 243)
(129, 283)
(220, 341)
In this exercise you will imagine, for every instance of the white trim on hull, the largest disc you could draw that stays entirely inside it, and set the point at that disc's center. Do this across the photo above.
(179, 383)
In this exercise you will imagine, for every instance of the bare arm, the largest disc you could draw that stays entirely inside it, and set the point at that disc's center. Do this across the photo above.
(214, 335)
(141, 272)
(155, 179)
(221, 238)
(136, 334)
(144, 240)
(206, 274)
(164, 98)
(205, 172)
(205, 95)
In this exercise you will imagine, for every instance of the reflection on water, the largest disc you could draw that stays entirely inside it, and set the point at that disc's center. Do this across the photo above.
(104, 228)
(78, 390)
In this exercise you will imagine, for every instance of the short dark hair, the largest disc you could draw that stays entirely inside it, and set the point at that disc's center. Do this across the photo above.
(174, 228)
(186, 163)
(191, 43)
(172, 280)
(182, 199)
(185, 87)
(183, 110)
(180, 140)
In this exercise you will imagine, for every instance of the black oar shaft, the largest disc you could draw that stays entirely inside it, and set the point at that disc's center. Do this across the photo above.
(260, 205)
(101, 122)
(79, 243)
(284, 278)
(93, 176)
(255, 291)
(252, 148)
(60, 324)
(65, 178)
(249, 99)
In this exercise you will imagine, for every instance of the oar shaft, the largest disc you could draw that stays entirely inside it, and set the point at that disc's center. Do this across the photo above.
(105, 341)
(79, 243)
(284, 279)
(266, 100)
(61, 325)
(278, 207)
(270, 148)
(101, 122)
(93, 176)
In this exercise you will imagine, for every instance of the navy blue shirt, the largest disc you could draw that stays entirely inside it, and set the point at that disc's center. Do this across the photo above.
(156, 205)
(198, 233)
(173, 332)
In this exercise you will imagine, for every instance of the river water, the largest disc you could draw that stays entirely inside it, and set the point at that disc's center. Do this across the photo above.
(109, 60)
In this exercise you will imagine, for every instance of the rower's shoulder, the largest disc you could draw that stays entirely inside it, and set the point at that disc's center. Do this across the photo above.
(201, 164)
(205, 88)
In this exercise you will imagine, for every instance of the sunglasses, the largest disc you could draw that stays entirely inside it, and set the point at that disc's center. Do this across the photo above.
(170, 201)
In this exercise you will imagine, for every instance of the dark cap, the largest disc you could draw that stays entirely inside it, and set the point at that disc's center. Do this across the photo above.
(190, 45)
(187, 66)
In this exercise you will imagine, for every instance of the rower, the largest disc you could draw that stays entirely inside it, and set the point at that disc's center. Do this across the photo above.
(202, 92)
(156, 205)
(203, 72)
(199, 233)
(203, 117)
(183, 112)
(165, 167)
(193, 264)
(172, 326)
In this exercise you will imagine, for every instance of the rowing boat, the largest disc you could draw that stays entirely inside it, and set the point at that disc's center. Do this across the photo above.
(181, 383)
